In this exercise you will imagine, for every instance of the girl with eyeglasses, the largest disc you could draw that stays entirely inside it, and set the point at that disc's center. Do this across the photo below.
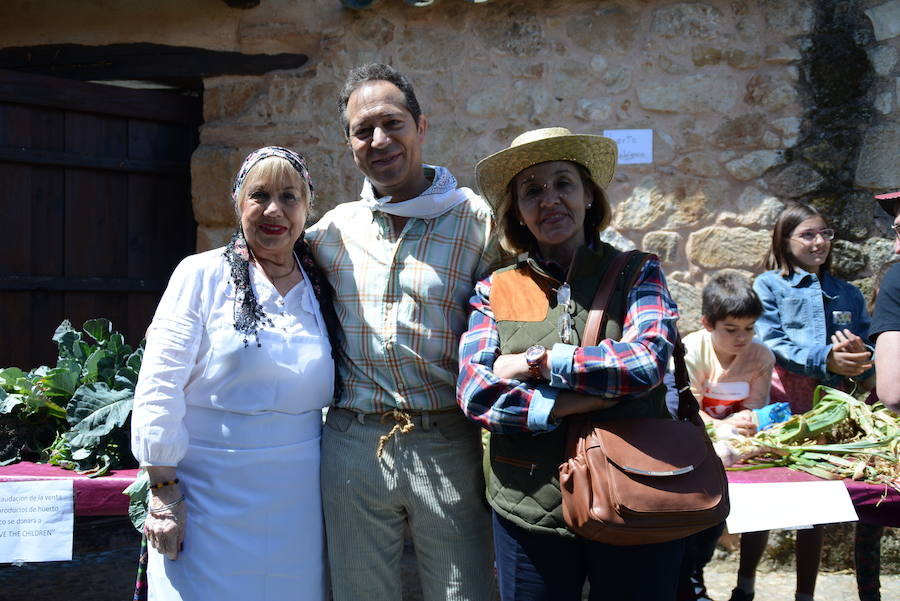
(818, 327)
(816, 324)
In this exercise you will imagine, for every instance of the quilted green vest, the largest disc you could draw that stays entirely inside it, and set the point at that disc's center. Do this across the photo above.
(522, 470)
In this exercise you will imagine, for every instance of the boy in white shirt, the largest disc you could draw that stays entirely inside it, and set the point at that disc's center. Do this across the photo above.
(730, 375)
(730, 372)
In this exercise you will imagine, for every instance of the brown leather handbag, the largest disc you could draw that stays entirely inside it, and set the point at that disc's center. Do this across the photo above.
(643, 480)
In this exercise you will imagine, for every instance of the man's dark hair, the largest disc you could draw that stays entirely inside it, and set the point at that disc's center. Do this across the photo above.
(377, 72)
(729, 294)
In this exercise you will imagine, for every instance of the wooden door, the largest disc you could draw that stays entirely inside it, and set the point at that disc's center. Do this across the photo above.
(95, 207)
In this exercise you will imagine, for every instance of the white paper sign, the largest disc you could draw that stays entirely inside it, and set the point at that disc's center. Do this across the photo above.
(773, 505)
(635, 145)
(36, 521)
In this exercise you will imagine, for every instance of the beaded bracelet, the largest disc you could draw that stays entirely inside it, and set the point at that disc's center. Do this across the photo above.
(165, 483)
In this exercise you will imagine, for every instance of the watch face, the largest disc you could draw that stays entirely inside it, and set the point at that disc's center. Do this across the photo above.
(534, 353)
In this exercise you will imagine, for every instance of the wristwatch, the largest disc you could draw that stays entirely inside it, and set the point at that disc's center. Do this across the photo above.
(533, 356)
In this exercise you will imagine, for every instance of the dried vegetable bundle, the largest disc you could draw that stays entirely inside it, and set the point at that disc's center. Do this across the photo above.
(840, 437)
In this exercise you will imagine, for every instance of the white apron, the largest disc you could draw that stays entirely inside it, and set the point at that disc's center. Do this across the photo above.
(250, 476)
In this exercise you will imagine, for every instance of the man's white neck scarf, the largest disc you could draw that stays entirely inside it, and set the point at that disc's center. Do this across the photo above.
(441, 196)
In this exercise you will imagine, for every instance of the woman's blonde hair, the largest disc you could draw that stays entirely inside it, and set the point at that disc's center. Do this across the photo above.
(516, 238)
(273, 168)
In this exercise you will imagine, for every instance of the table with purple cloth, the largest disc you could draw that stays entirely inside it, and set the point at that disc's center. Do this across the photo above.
(875, 504)
(93, 496)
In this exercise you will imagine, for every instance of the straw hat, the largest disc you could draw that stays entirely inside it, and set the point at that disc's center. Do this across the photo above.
(596, 153)
(889, 202)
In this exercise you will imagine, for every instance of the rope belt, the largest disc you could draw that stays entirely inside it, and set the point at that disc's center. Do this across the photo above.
(403, 424)
(403, 421)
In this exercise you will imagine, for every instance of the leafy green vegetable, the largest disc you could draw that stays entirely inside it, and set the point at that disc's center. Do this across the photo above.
(98, 329)
(79, 411)
(9, 377)
(61, 381)
(138, 491)
(840, 437)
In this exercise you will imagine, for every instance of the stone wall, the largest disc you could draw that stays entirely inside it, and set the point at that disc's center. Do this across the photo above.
(751, 103)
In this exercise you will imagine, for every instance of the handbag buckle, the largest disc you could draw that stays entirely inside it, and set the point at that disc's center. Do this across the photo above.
(678, 472)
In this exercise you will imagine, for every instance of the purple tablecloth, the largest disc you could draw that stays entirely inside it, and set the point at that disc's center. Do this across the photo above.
(93, 496)
(875, 504)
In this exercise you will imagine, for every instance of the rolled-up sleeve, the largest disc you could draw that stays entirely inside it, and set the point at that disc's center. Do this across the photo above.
(497, 404)
(158, 434)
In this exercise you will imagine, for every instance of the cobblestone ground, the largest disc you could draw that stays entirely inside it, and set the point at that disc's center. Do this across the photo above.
(778, 585)
(106, 554)
(721, 574)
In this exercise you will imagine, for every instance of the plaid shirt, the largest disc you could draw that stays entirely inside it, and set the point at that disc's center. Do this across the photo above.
(613, 369)
(402, 300)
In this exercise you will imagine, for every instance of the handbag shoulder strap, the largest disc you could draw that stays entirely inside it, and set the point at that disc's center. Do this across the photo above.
(597, 314)
(688, 407)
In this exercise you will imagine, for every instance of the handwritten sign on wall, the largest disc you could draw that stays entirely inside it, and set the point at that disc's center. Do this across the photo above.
(635, 145)
(36, 521)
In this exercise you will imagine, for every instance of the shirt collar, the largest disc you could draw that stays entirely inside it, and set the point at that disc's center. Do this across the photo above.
(799, 277)
(441, 196)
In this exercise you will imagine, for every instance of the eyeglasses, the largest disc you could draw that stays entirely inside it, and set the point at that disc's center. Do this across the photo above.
(827, 234)
(564, 323)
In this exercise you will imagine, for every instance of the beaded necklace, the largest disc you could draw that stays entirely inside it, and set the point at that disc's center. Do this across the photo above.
(248, 313)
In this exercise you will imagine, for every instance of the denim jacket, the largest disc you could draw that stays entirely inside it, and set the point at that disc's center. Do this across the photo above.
(801, 312)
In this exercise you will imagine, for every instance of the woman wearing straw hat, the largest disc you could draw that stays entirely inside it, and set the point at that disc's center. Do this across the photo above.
(523, 368)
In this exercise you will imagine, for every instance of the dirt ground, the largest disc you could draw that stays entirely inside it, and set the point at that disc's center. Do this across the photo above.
(106, 555)
(721, 575)
(109, 576)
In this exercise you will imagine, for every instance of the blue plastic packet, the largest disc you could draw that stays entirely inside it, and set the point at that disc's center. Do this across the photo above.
(771, 414)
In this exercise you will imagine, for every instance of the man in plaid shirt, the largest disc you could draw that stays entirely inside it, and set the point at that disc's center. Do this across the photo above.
(396, 450)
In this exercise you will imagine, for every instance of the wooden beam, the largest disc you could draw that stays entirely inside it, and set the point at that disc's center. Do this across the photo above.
(180, 66)
(55, 158)
(156, 105)
(32, 283)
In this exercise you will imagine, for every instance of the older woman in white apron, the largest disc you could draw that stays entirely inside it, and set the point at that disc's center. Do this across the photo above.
(227, 412)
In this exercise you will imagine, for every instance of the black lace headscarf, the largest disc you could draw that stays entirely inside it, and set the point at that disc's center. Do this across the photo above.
(248, 314)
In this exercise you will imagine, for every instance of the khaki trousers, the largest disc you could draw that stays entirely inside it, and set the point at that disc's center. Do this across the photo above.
(429, 478)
